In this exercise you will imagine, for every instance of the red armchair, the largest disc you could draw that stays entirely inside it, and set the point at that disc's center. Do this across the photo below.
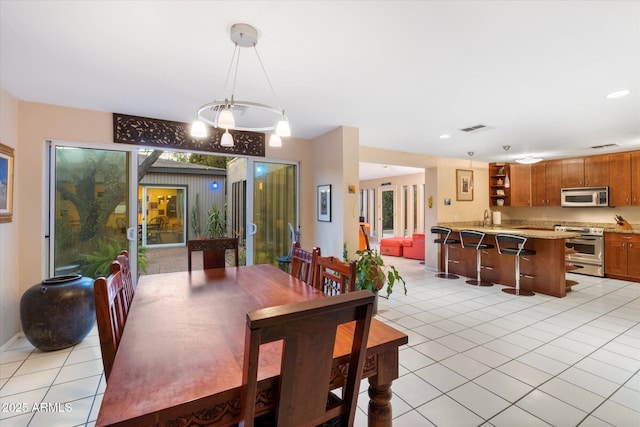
(414, 248)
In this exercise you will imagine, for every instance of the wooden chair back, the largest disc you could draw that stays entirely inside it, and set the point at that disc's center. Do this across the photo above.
(111, 314)
(308, 331)
(302, 263)
(213, 251)
(127, 280)
(333, 276)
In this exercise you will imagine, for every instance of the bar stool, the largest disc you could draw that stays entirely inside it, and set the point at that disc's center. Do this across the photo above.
(444, 239)
(472, 239)
(517, 251)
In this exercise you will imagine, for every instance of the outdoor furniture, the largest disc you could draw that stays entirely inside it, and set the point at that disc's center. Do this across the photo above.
(180, 358)
(154, 229)
(333, 276)
(413, 248)
(302, 263)
(308, 331)
(294, 237)
(111, 315)
(213, 251)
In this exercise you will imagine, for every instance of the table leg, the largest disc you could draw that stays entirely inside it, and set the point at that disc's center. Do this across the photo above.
(379, 404)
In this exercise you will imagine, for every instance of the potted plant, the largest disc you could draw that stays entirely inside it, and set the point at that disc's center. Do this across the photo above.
(373, 274)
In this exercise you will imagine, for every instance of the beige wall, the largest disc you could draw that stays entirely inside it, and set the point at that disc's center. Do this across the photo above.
(9, 242)
(335, 159)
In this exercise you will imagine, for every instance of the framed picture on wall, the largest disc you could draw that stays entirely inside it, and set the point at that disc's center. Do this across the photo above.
(464, 185)
(6, 183)
(324, 203)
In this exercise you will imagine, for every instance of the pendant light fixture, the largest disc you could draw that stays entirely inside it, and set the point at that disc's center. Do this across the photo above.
(507, 182)
(231, 114)
(470, 153)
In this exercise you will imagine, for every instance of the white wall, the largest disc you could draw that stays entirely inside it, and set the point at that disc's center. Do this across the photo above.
(9, 238)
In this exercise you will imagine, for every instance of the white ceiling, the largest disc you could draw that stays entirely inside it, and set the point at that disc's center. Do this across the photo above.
(536, 72)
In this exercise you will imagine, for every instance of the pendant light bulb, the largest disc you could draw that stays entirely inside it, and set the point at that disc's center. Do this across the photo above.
(275, 141)
(226, 119)
(470, 153)
(282, 127)
(227, 139)
(198, 129)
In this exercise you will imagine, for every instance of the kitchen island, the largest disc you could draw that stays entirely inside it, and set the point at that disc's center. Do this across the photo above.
(544, 272)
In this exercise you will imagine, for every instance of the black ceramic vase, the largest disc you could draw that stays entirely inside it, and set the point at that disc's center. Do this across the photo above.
(58, 312)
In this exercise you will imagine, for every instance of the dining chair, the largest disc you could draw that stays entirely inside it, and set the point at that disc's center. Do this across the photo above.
(213, 251)
(308, 331)
(302, 262)
(111, 315)
(333, 276)
(127, 279)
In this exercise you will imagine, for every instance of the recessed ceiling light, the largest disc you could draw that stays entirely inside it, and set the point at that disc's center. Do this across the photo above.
(619, 94)
(445, 136)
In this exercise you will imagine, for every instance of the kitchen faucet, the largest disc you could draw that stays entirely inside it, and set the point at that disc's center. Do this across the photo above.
(486, 219)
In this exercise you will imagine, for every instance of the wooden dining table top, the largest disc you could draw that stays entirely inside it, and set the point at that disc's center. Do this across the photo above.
(184, 338)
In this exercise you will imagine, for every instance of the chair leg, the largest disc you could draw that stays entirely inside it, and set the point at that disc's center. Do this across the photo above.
(517, 291)
(477, 281)
(446, 274)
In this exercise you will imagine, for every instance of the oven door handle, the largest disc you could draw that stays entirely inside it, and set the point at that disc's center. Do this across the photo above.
(584, 239)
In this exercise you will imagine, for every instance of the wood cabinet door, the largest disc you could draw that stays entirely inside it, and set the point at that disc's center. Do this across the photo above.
(573, 172)
(635, 178)
(538, 186)
(520, 185)
(615, 254)
(633, 257)
(620, 179)
(596, 171)
(553, 182)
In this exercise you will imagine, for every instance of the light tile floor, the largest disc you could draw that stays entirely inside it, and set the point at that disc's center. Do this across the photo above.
(476, 356)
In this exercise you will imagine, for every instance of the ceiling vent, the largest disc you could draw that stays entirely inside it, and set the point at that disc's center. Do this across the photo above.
(595, 147)
(476, 128)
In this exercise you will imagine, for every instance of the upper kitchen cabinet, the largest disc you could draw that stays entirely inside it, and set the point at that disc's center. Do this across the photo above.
(624, 175)
(592, 171)
(499, 194)
(520, 184)
(596, 171)
(546, 182)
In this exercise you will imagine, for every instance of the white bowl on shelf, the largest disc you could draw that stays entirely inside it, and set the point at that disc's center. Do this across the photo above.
(500, 202)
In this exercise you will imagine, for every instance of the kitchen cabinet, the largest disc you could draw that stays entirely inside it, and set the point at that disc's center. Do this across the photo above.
(572, 172)
(499, 195)
(591, 171)
(624, 176)
(520, 184)
(622, 256)
(546, 182)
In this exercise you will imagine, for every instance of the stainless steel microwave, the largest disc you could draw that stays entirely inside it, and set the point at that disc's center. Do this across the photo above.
(585, 197)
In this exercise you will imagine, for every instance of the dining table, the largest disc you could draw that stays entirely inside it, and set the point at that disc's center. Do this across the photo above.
(180, 359)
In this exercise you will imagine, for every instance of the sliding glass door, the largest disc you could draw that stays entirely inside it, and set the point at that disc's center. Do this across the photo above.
(90, 209)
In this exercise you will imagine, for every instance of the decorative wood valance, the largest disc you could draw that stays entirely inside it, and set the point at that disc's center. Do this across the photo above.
(167, 135)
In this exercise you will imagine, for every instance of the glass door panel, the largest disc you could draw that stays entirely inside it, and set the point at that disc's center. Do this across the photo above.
(162, 215)
(274, 206)
(388, 214)
(90, 209)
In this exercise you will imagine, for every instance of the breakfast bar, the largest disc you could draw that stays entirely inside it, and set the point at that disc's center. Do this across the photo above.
(543, 273)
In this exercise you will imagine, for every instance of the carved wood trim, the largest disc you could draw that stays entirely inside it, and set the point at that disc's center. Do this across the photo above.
(166, 134)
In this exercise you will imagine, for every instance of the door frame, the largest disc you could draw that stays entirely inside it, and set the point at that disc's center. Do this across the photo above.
(50, 180)
(250, 225)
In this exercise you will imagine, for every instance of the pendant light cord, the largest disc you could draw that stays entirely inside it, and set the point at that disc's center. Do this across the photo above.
(273, 92)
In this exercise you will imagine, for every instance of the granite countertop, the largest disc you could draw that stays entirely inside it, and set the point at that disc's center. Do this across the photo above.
(519, 227)
(509, 229)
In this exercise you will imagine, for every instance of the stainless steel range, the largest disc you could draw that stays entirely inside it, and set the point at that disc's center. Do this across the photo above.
(586, 252)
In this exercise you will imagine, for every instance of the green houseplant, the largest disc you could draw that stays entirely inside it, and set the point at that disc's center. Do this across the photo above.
(373, 274)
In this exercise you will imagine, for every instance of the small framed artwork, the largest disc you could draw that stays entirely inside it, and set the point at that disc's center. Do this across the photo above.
(6, 183)
(324, 203)
(464, 185)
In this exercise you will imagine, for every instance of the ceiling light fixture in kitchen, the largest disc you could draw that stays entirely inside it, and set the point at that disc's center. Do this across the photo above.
(529, 160)
(619, 94)
(507, 182)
